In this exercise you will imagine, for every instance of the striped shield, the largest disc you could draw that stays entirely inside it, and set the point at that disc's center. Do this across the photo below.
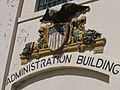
(58, 36)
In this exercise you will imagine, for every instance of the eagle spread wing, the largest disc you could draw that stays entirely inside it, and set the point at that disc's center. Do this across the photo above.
(65, 14)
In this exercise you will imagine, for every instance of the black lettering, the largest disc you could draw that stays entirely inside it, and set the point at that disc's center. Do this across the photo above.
(48, 62)
(37, 62)
(85, 63)
(109, 66)
(43, 63)
(29, 67)
(54, 59)
(68, 59)
(25, 69)
(79, 60)
(33, 66)
(99, 63)
(61, 59)
(57, 57)
(104, 64)
(8, 81)
(22, 72)
(89, 62)
(12, 77)
(115, 71)
(17, 75)
(92, 61)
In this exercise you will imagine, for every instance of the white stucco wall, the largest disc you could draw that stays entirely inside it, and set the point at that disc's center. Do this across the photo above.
(103, 17)
(8, 9)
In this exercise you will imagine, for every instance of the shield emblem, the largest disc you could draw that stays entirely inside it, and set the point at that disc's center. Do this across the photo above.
(58, 36)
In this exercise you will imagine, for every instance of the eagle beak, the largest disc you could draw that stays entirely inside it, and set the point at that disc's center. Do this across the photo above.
(87, 10)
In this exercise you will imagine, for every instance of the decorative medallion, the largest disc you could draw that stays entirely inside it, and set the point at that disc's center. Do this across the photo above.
(64, 32)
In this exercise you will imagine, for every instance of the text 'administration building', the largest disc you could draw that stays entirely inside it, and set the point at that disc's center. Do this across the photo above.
(60, 45)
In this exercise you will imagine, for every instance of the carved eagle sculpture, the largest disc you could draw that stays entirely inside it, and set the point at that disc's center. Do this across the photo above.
(65, 14)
